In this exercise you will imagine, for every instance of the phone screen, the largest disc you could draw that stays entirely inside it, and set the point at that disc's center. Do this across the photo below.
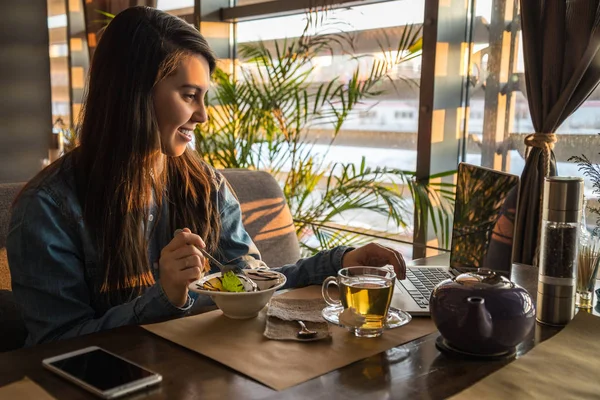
(101, 369)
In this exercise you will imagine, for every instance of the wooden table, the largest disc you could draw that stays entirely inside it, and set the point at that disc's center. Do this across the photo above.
(415, 370)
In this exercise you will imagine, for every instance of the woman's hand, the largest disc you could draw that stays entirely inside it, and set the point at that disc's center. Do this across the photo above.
(375, 255)
(180, 264)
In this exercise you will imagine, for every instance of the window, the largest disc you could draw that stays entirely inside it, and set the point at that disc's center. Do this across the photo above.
(576, 133)
(59, 65)
(383, 130)
(248, 2)
(367, 114)
(404, 115)
(176, 7)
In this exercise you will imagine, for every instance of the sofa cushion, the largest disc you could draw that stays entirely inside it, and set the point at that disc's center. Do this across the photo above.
(265, 215)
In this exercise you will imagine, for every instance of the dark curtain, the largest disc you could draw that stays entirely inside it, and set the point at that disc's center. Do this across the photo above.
(561, 43)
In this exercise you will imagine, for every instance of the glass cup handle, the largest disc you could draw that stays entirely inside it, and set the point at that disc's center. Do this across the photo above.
(325, 291)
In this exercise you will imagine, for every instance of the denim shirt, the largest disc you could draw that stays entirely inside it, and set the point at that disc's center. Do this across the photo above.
(56, 272)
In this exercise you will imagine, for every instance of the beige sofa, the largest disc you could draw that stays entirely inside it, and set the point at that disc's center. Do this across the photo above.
(265, 215)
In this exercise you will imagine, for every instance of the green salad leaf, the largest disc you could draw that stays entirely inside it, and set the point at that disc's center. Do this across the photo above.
(231, 283)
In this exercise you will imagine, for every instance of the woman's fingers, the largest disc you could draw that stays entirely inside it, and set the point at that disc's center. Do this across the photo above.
(192, 274)
(180, 263)
(186, 251)
(385, 255)
(376, 255)
(184, 238)
(193, 261)
(396, 259)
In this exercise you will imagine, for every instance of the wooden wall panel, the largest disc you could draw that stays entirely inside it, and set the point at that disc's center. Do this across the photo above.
(25, 100)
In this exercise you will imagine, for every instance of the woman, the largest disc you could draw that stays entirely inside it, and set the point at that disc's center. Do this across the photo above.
(91, 243)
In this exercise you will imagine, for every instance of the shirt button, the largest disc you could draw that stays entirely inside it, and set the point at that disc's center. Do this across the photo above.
(151, 218)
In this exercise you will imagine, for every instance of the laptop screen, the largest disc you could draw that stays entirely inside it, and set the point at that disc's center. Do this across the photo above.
(484, 219)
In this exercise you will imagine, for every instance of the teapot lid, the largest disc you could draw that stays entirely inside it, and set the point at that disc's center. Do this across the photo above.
(484, 279)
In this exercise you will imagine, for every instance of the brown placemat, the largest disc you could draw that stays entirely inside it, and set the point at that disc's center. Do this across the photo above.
(25, 389)
(563, 367)
(240, 344)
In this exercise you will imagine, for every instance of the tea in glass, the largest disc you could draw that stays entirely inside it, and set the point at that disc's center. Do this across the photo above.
(370, 297)
(365, 292)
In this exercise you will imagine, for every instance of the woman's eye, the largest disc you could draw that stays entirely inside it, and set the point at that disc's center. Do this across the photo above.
(190, 96)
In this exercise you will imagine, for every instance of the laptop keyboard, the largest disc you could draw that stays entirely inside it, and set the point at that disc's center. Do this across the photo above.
(420, 282)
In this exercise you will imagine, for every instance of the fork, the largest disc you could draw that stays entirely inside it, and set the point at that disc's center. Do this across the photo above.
(227, 268)
(224, 268)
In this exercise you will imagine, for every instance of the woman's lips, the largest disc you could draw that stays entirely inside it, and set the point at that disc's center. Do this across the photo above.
(186, 134)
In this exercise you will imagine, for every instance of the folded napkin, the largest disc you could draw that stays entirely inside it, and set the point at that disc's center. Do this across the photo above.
(283, 316)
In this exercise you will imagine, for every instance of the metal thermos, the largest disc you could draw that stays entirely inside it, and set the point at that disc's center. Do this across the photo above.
(561, 213)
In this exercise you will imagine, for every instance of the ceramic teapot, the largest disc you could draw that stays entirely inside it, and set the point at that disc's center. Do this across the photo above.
(482, 313)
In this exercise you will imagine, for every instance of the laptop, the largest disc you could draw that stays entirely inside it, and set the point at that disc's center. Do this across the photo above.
(483, 231)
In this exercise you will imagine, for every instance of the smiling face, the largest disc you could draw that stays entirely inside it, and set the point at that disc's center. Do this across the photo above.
(179, 104)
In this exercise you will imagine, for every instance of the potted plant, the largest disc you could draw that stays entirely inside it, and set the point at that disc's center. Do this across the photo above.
(262, 120)
(592, 171)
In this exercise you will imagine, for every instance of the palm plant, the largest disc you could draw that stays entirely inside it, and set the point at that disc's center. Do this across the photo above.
(592, 171)
(263, 120)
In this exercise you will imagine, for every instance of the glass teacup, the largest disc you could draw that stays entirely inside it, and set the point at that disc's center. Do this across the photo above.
(366, 293)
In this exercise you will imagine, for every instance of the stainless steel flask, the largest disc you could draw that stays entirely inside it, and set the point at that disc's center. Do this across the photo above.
(561, 213)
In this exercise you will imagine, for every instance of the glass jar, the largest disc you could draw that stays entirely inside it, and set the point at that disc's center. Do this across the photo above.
(587, 269)
(587, 263)
(585, 236)
(558, 253)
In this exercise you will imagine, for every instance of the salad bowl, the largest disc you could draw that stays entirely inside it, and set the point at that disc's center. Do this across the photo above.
(247, 302)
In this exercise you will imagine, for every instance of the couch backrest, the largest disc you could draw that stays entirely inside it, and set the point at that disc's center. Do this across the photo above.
(266, 215)
(8, 192)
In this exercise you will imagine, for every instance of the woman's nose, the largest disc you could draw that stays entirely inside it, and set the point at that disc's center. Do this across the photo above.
(200, 115)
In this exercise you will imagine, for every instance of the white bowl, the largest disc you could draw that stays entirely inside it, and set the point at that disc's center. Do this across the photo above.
(240, 305)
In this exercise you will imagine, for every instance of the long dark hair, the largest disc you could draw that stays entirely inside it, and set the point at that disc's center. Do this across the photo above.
(119, 147)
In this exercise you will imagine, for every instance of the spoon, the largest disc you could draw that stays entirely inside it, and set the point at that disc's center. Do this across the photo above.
(305, 333)
(224, 268)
